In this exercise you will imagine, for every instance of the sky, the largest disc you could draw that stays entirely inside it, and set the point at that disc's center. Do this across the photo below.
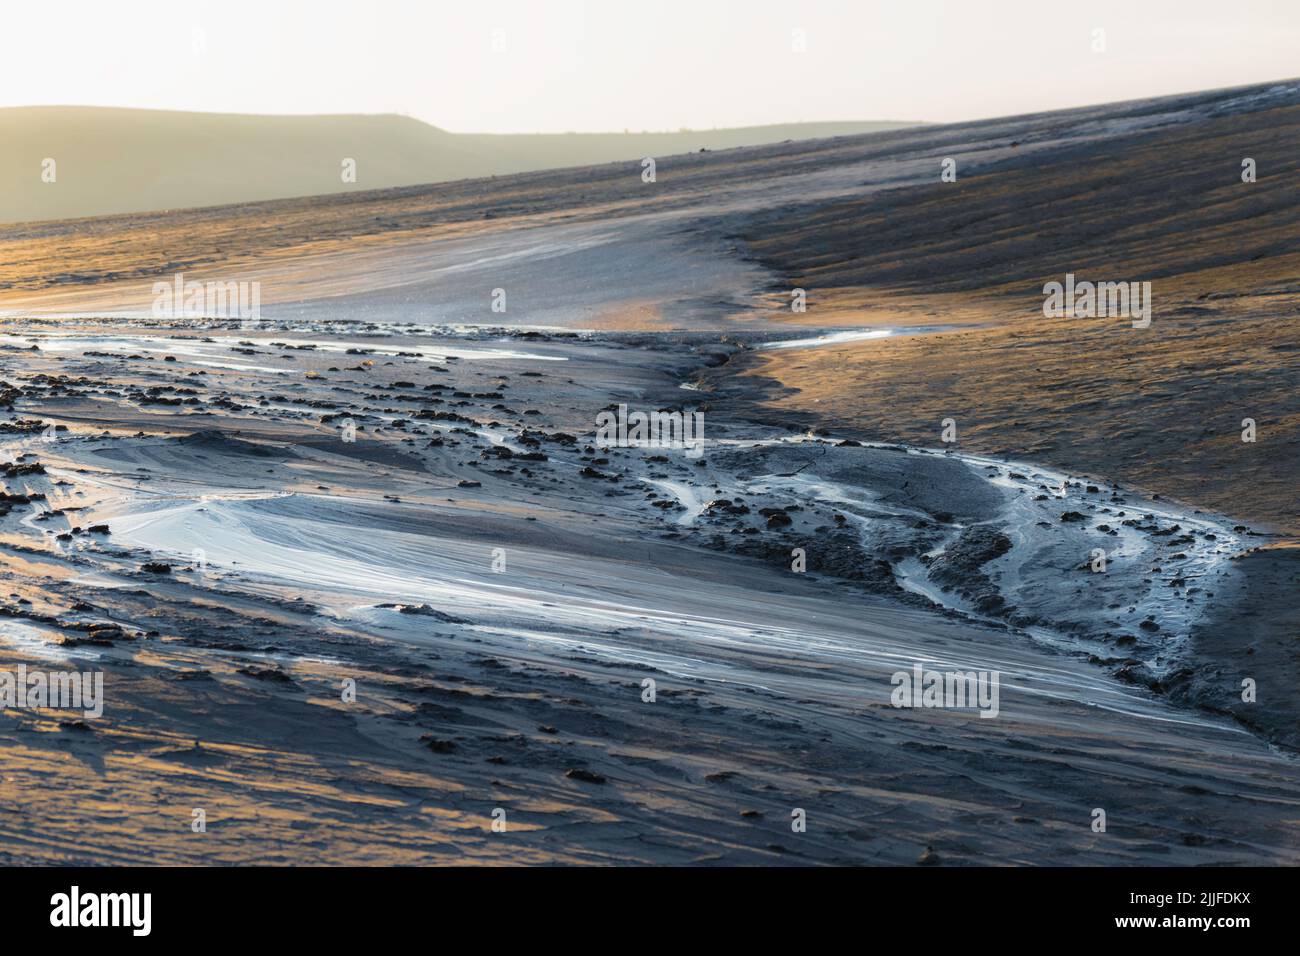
(498, 66)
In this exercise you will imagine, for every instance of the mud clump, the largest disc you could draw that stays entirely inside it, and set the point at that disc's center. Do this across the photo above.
(839, 555)
(218, 441)
(424, 610)
(960, 568)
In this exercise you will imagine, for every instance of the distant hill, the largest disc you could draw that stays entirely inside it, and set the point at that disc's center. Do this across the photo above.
(109, 160)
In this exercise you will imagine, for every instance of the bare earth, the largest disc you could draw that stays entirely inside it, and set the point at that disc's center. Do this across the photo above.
(500, 589)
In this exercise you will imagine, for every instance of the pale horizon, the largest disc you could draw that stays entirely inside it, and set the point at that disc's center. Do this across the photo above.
(509, 67)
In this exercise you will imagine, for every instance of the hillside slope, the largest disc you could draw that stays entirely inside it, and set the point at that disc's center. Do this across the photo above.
(109, 161)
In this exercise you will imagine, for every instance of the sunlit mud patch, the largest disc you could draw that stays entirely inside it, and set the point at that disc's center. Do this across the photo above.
(296, 540)
(41, 642)
(851, 335)
(384, 566)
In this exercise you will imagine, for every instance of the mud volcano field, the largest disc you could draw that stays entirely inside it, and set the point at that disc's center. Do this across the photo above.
(362, 583)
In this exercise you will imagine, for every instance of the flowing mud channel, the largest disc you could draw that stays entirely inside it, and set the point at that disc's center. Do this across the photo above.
(273, 504)
(1073, 562)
